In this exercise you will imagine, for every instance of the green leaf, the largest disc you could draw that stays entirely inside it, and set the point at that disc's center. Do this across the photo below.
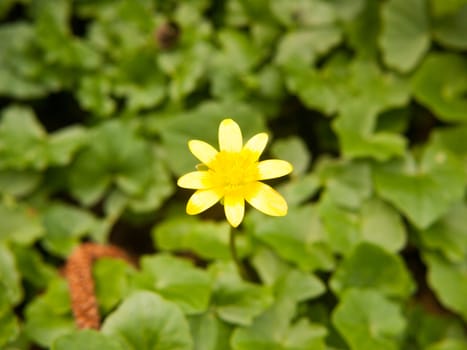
(382, 225)
(159, 188)
(428, 329)
(405, 33)
(49, 315)
(369, 266)
(356, 140)
(94, 92)
(32, 267)
(446, 7)
(22, 73)
(112, 282)
(178, 281)
(86, 339)
(448, 235)
(19, 183)
(450, 30)
(234, 300)
(114, 155)
(426, 191)
(302, 335)
(302, 47)
(19, 223)
(298, 237)
(10, 279)
(363, 31)
(320, 89)
(347, 10)
(448, 344)
(341, 225)
(439, 84)
(139, 81)
(299, 190)
(209, 333)
(10, 325)
(23, 140)
(299, 286)
(303, 12)
(367, 320)
(64, 226)
(348, 184)
(64, 143)
(287, 282)
(295, 151)
(451, 138)
(145, 321)
(238, 50)
(274, 330)
(207, 239)
(448, 281)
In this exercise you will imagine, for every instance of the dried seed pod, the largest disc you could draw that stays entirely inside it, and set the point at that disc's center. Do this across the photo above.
(78, 272)
(167, 35)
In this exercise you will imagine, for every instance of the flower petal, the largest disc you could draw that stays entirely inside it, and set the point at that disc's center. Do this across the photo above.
(234, 207)
(202, 200)
(202, 150)
(272, 168)
(257, 144)
(266, 199)
(230, 136)
(195, 180)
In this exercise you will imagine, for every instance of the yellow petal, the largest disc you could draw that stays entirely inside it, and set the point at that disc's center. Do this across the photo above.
(195, 180)
(257, 144)
(234, 207)
(202, 200)
(230, 136)
(272, 168)
(202, 150)
(266, 199)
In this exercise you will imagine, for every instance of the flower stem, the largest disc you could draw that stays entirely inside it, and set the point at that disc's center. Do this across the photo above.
(233, 251)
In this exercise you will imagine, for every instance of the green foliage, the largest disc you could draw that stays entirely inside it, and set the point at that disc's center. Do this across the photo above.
(136, 326)
(367, 99)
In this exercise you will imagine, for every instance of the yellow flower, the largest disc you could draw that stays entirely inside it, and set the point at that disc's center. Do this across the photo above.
(233, 175)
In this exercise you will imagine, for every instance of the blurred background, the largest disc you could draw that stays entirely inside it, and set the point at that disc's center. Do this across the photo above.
(367, 99)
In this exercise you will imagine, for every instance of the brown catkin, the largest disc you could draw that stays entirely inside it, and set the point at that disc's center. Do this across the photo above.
(78, 272)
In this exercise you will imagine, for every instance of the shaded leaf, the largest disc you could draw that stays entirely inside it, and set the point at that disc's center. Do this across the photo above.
(369, 266)
(423, 192)
(64, 226)
(448, 235)
(206, 239)
(145, 321)
(449, 282)
(295, 151)
(209, 332)
(112, 282)
(23, 140)
(179, 281)
(10, 325)
(367, 320)
(405, 33)
(10, 279)
(234, 300)
(382, 225)
(49, 315)
(86, 339)
(439, 84)
(19, 223)
(298, 237)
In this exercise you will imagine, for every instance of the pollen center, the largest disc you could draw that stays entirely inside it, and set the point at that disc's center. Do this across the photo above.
(233, 170)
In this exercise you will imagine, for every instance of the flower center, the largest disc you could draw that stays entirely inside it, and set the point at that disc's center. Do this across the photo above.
(233, 170)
